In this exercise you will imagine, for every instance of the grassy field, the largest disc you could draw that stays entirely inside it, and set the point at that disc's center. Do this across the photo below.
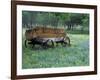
(75, 55)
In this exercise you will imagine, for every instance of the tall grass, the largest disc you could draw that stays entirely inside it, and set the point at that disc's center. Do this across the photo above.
(75, 55)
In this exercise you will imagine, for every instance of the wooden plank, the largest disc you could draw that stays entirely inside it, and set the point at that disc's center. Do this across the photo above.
(44, 33)
(48, 35)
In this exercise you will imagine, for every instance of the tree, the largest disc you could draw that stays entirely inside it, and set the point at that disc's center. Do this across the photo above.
(85, 22)
(54, 19)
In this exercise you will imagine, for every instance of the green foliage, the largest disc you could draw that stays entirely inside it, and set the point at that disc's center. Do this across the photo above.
(67, 20)
(85, 21)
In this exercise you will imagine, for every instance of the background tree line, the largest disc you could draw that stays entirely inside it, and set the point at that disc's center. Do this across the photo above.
(69, 21)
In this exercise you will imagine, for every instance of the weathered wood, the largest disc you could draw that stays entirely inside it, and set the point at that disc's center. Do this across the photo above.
(44, 33)
(47, 30)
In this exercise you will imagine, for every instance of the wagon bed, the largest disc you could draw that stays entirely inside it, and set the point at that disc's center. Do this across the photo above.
(45, 33)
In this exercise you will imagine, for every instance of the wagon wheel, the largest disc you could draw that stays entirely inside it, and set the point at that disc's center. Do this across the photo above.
(67, 40)
(27, 43)
(50, 43)
(45, 44)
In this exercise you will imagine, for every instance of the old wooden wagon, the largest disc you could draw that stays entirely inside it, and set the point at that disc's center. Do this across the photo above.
(46, 36)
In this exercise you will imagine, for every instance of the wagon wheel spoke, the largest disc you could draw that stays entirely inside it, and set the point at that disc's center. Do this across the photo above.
(67, 40)
(50, 43)
(27, 44)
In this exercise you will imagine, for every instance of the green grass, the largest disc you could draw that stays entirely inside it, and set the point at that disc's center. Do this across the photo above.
(75, 55)
(77, 31)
